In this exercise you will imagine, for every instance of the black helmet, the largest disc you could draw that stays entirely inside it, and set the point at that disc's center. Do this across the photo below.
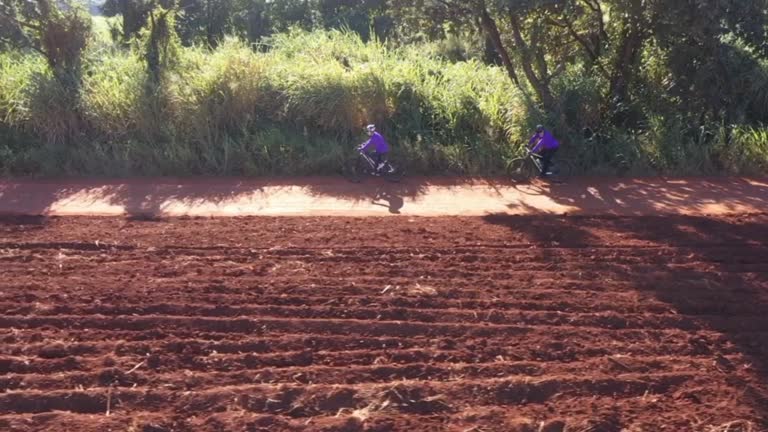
(539, 128)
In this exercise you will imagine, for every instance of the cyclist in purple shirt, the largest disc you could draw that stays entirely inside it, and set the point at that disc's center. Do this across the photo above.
(545, 145)
(376, 147)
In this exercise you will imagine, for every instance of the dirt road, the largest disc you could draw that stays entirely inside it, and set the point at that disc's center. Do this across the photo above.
(415, 196)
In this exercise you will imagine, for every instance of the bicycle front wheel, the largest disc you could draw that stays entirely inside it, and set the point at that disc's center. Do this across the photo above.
(522, 169)
(354, 169)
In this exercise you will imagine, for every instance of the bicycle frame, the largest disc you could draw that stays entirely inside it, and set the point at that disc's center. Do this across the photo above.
(368, 159)
(355, 168)
(536, 158)
(523, 167)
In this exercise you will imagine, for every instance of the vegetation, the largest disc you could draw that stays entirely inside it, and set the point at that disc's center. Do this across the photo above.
(258, 87)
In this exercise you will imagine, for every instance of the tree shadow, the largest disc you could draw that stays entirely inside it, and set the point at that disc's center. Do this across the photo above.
(394, 196)
(147, 199)
(151, 198)
(376, 191)
(12, 224)
(545, 231)
(654, 196)
(31, 197)
(711, 272)
(138, 199)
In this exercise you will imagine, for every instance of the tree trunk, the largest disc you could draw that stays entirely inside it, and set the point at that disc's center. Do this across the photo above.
(539, 83)
(133, 18)
(492, 30)
(624, 65)
(626, 60)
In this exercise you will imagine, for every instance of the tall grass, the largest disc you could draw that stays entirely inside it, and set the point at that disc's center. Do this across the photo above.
(298, 104)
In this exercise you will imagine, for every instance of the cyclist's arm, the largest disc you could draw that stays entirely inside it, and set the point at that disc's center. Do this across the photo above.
(530, 141)
(535, 148)
(365, 146)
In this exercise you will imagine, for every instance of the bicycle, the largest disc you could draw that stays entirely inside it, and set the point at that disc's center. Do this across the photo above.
(529, 166)
(363, 165)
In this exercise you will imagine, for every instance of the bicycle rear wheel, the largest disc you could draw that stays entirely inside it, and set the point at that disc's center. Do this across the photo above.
(563, 169)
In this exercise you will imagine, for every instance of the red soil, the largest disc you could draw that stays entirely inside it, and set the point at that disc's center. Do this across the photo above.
(497, 323)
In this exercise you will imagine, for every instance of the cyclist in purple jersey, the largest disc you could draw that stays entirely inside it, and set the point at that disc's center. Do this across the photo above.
(545, 145)
(376, 147)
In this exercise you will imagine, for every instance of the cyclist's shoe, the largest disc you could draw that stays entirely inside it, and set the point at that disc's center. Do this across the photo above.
(380, 167)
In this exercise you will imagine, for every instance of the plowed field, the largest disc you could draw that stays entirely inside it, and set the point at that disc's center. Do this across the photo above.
(496, 323)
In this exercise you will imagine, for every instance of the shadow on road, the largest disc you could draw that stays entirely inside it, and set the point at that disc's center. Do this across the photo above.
(150, 198)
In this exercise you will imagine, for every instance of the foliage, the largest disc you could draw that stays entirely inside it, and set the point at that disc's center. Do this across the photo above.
(213, 86)
(59, 31)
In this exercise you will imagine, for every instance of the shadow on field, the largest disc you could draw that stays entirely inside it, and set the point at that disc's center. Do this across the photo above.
(10, 225)
(712, 272)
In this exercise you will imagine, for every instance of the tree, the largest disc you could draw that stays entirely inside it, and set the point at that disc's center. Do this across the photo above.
(251, 19)
(207, 20)
(357, 15)
(59, 34)
(133, 12)
(160, 44)
(494, 17)
(536, 40)
(712, 49)
(287, 13)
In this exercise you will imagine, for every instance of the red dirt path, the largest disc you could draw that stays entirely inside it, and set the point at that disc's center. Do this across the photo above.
(495, 323)
(329, 196)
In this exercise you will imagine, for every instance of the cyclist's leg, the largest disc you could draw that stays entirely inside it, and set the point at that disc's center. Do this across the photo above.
(546, 160)
(552, 161)
(376, 158)
(384, 162)
(540, 160)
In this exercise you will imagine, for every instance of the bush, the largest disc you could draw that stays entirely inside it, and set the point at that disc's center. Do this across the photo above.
(299, 103)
